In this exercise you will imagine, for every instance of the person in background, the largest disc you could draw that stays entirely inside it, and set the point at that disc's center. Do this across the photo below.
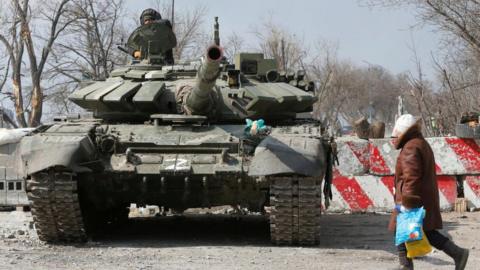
(416, 186)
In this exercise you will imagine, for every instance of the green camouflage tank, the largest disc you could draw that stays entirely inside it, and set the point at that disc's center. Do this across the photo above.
(191, 134)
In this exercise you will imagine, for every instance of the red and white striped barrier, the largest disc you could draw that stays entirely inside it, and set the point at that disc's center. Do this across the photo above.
(364, 179)
(453, 156)
(353, 156)
(371, 193)
(471, 190)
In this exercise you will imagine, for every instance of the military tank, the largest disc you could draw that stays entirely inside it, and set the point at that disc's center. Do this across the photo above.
(175, 135)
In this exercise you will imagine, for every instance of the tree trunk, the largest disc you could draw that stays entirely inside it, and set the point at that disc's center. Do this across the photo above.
(37, 105)
(17, 94)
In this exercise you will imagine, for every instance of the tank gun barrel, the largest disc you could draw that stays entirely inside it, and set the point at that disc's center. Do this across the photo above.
(199, 101)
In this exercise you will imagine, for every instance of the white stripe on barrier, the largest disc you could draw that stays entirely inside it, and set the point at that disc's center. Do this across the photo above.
(472, 198)
(444, 204)
(445, 158)
(378, 193)
(350, 163)
(338, 203)
(390, 154)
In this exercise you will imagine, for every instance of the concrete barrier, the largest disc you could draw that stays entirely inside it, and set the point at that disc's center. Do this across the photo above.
(453, 156)
(364, 179)
(370, 193)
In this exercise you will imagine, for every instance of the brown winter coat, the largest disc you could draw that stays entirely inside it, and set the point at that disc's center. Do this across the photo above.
(415, 178)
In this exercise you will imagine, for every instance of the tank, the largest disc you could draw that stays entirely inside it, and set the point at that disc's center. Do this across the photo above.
(186, 135)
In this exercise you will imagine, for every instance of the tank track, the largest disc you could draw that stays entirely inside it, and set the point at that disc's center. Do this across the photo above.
(295, 210)
(55, 206)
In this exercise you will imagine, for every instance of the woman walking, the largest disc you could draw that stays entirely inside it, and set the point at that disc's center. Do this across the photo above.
(416, 186)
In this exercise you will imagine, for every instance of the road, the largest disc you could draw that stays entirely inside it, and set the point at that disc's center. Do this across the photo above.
(225, 242)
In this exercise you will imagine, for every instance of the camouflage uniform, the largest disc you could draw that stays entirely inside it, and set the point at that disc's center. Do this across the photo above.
(156, 37)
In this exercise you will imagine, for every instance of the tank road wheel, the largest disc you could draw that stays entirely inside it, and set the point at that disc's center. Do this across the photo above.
(295, 210)
(55, 206)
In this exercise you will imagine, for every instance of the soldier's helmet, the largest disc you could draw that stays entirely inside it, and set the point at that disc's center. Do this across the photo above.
(149, 14)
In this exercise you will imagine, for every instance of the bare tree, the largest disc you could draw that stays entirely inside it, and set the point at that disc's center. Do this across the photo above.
(420, 90)
(347, 92)
(188, 27)
(233, 44)
(4, 76)
(88, 48)
(457, 65)
(457, 18)
(89, 45)
(18, 38)
(277, 43)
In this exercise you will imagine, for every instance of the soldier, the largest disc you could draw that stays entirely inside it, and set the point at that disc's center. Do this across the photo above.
(151, 15)
(161, 36)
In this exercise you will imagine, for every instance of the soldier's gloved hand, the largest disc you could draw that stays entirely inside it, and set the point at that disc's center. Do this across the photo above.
(137, 54)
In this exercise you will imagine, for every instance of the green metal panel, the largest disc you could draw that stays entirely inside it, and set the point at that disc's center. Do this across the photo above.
(135, 74)
(277, 96)
(119, 72)
(148, 169)
(263, 65)
(93, 100)
(302, 100)
(260, 101)
(147, 97)
(157, 74)
(118, 99)
(79, 97)
(70, 129)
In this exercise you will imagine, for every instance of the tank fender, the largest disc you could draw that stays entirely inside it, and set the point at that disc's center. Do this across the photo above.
(40, 152)
(289, 155)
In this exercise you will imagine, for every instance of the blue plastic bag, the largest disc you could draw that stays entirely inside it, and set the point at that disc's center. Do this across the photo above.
(409, 225)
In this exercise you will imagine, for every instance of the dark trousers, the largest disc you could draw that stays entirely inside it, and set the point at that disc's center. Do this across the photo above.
(436, 239)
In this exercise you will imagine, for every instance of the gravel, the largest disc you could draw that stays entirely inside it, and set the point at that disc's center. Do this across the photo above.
(225, 242)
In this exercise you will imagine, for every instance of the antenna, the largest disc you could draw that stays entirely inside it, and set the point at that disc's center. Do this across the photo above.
(217, 32)
(173, 13)
(283, 55)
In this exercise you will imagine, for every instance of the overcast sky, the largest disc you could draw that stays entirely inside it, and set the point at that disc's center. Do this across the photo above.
(378, 36)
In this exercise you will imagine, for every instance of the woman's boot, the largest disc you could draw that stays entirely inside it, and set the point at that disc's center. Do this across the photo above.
(459, 255)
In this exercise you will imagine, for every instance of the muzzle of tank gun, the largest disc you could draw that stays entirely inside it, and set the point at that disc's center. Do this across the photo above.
(199, 101)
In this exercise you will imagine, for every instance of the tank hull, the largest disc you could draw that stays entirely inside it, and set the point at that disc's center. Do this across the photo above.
(104, 168)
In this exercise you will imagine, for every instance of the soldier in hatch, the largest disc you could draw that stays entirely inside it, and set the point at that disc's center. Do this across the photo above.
(154, 37)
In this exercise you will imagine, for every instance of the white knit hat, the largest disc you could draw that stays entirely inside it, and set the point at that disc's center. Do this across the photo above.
(403, 123)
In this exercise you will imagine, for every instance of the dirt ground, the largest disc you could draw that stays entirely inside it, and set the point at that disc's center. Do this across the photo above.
(225, 242)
